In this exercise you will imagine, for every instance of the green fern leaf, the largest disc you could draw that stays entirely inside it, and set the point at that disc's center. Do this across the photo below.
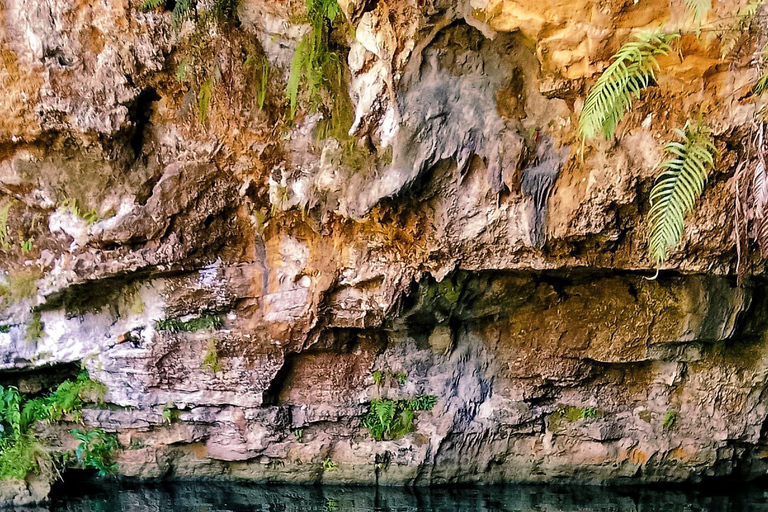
(677, 188)
(149, 5)
(634, 68)
(761, 86)
(697, 9)
(181, 12)
(314, 63)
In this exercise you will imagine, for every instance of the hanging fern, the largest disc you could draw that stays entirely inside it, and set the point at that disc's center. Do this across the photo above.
(677, 188)
(697, 9)
(182, 11)
(633, 69)
(149, 5)
(731, 32)
(314, 62)
(761, 86)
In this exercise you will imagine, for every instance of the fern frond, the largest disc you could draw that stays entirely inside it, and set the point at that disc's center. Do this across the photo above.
(761, 86)
(314, 62)
(182, 11)
(225, 11)
(677, 188)
(697, 9)
(634, 68)
(149, 5)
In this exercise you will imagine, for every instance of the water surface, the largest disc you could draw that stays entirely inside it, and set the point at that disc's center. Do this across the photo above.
(199, 497)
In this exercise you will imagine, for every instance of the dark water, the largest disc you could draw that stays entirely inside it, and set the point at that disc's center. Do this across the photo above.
(191, 497)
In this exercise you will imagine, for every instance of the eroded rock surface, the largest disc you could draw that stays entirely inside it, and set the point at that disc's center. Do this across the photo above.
(459, 237)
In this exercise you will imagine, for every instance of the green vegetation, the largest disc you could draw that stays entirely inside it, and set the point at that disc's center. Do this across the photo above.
(321, 70)
(89, 216)
(259, 69)
(5, 239)
(393, 419)
(195, 324)
(5, 328)
(27, 245)
(571, 414)
(669, 419)
(204, 100)
(697, 9)
(761, 85)
(380, 377)
(20, 452)
(170, 413)
(97, 450)
(35, 328)
(298, 434)
(329, 465)
(677, 188)
(211, 361)
(634, 68)
(314, 62)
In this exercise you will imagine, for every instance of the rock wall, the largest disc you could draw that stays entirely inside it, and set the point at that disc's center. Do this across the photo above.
(459, 242)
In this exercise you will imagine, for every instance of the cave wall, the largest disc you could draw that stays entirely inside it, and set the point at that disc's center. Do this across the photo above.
(474, 248)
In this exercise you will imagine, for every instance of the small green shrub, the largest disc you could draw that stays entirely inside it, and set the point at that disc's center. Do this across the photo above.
(20, 453)
(5, 328)
(97, 450)
(669, 420)
(27, 245)
(211, 361)
(393, 419)
(298, 434)
(195, 324)
(90, 216)
(22, 456)
(259, 68)
(149, 5)
(380, 377)
(570, 414)
(329, 465)
(170, 413)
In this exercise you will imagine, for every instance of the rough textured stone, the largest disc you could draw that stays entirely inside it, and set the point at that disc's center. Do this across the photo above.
(461, 237)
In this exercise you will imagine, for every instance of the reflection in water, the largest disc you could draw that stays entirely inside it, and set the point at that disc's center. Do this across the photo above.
(206, 497)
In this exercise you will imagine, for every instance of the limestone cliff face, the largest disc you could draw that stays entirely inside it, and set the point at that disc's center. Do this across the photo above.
(458, 241)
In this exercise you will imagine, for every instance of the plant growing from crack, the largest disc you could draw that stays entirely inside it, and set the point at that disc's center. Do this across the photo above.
(393, 419)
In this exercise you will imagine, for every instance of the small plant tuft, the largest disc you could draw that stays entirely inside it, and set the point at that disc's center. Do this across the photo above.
(35, 328)
(329, 465)
(97, 450)
(298, 434)
(393, 419)
(669, 420)
(196, 324)
(211, 361)
(170, 413)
